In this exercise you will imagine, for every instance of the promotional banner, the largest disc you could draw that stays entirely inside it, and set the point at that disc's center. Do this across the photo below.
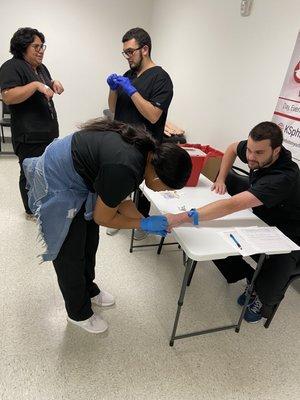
(287, 112)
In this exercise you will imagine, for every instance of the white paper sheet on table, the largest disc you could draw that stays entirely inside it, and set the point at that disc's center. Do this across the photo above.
(256, 240)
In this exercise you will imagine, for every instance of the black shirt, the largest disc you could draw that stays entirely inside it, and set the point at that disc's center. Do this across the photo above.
(34, 120)
(278, 188)
(153, 85)
(109, 166)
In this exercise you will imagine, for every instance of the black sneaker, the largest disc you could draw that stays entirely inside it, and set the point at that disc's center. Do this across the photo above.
(253, 311)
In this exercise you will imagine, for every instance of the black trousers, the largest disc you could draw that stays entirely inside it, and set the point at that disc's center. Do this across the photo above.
(75, 267)
(276, 271)
(27, 150)
(143, 205)
(272, 280)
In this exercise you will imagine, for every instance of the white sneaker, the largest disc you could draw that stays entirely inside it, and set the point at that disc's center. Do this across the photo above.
(103, 299)
(94, 324)
(139, 234)
(111, 231)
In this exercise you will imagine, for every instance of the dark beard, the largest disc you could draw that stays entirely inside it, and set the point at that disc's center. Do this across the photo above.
(265, 164)
(136, 67)
(268, 162)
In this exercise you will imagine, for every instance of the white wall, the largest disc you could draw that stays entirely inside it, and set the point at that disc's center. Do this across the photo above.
(227, 70)
(84, 46)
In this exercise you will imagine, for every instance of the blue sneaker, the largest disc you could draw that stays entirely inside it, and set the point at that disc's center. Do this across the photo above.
(253, 311)
(242, 298)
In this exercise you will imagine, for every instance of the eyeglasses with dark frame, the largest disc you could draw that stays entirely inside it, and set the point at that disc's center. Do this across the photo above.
(130, 52)
(39, 47)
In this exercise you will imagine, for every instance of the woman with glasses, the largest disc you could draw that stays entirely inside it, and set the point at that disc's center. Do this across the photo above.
(27, 87)
(81, 182)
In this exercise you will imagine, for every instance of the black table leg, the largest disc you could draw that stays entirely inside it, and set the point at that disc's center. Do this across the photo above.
(181, 297)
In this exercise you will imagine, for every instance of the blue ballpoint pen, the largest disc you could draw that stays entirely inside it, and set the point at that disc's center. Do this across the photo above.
(235, 241)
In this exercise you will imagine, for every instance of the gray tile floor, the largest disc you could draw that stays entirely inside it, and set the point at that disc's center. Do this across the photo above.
(44, 358)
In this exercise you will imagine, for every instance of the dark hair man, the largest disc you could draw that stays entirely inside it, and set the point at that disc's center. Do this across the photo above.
(273, 191)
(143, 94)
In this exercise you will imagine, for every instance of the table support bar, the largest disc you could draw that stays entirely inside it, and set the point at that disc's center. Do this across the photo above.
(190, 266)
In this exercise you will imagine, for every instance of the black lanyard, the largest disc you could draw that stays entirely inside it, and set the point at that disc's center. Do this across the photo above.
(38, 75)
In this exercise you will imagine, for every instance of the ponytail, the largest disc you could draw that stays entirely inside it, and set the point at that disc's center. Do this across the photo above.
(131, 134)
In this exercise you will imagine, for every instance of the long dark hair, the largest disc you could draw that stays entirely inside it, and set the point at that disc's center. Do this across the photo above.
(171, 163)
(22, 39)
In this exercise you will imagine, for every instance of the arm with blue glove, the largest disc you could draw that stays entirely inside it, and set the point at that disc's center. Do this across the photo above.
(113, 95)
(145, 107)
(126, 85)
(191, 217)
(216, 209)
(156, 224)
(112, 81)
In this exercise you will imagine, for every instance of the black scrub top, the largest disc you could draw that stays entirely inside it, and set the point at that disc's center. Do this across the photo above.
(155, 86)
(108, 165)
(278, 188)
(34, 120)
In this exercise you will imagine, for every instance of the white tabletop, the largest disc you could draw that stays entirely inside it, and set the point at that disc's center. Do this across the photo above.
(202, 243)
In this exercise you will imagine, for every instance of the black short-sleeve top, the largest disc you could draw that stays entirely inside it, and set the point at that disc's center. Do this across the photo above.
(278, 188)
(34, 120)
(155, 86)
(109, 165)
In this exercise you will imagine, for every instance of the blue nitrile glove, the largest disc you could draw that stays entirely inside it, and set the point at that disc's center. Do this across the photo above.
(126, 85)
(112, 81)
(154, 224)
(193, 213)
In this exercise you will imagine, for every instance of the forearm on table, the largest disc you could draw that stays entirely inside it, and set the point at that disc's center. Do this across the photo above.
(218, 209)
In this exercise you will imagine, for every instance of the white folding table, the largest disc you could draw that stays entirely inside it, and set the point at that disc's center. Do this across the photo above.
(203, 243)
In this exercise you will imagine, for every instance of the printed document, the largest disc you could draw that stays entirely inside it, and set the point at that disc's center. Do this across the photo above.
(257, 240)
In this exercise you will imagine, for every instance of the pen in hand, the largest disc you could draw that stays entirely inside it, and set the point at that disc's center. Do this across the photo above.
(235, 241)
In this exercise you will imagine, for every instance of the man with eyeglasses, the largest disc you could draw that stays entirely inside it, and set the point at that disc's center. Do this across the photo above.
(27, 87)
(142, 95)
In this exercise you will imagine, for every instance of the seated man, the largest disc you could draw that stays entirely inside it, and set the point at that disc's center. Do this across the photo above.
(274, 195)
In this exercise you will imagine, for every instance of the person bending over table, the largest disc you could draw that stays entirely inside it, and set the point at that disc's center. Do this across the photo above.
(273, 191)
(81, 182)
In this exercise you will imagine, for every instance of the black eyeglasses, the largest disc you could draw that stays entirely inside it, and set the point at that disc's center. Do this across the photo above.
(39, 47)
(130, 52)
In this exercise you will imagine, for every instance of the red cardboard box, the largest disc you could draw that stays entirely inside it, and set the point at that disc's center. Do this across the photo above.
(208, 163)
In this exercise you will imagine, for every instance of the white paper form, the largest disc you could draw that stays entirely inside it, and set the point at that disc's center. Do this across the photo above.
(245, 248)
(254, 240)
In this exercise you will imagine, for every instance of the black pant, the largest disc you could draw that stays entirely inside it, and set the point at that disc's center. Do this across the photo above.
(143, 205)
(27, 150)
(276, 271)
(75, 267)
(272, 280)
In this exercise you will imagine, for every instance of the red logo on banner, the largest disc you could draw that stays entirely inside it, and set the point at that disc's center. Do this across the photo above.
(297, 73)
